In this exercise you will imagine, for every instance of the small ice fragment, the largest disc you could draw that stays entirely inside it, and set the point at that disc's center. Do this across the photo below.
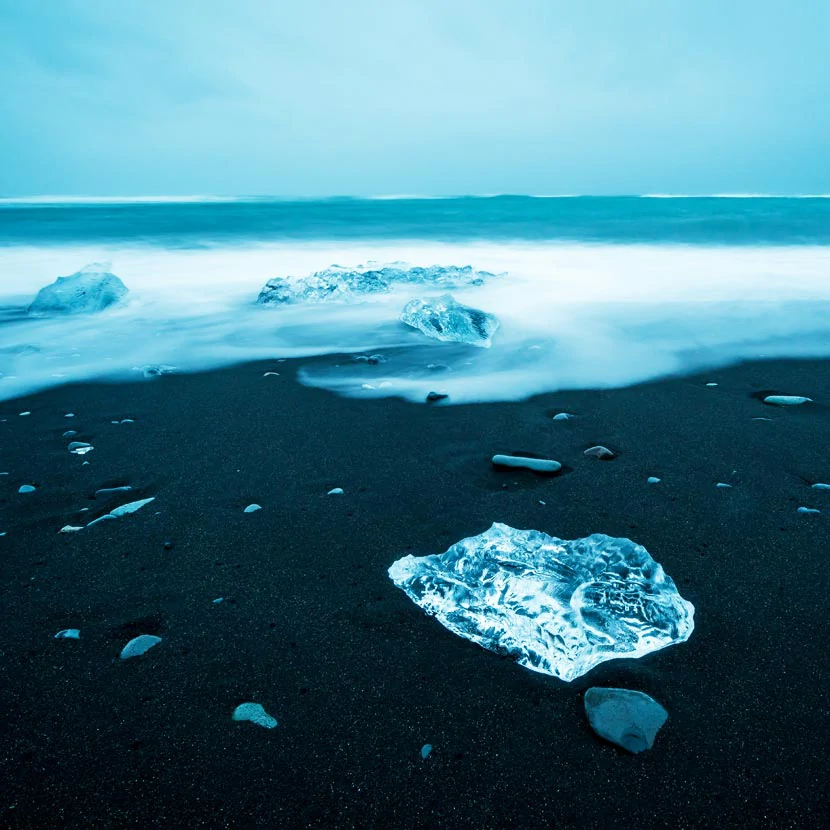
(626, 718)
(425, 751)
(114, 422)
(711, 384)
(69, 415)
(90, 290)
(538, 465)
(127, 421)
(271, 375)
(3, 533)
(562, 416)
(653, 480)
(108, 491)
(139, 645)
(366, 386)
(70, 529)
(600, 452)
(69, 433)
(218, 600)
(808, 510)
(104, 518)
(26, 488)
(80, 447)
(762, 419)
(721, 484)
(786, 400)
(820, 486)
(25, 413)
(130, 507)
(436, 396)
(443, 318)
(68, 634)
(252, 508)
(254, 713)
(543, 503)
(337, 491)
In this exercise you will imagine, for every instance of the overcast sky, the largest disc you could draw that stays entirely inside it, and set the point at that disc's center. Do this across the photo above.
(326, 97)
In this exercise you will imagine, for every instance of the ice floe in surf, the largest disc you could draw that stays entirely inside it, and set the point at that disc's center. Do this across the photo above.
(558, 607)
(90, 290)
(446, 319)
(338, 284)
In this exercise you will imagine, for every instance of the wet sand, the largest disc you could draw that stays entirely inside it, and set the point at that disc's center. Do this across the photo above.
(357, 676)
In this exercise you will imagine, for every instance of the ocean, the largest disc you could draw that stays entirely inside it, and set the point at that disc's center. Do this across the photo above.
(590, 292)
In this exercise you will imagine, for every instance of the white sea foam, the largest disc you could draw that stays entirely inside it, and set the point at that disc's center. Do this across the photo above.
(571, 315)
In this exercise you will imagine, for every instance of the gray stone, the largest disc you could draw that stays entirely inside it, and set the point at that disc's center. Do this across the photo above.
(626, 718)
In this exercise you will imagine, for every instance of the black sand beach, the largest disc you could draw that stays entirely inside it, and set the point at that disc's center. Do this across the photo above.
(358, 677)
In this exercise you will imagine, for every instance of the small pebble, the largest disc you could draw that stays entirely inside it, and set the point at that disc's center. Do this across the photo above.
(600, 452)
(139, 645)
(68, 634)
(254, 713)
(168, 546)
(252, 508)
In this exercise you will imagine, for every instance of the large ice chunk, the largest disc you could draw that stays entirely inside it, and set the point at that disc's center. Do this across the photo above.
(559, 607)
(343, 284)
(445, 319)
(89, 290)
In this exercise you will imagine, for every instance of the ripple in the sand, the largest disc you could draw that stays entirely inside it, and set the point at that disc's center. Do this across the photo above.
(254, 713)
(139, 645)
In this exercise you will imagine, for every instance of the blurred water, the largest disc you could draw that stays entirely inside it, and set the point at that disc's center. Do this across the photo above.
(598, 292)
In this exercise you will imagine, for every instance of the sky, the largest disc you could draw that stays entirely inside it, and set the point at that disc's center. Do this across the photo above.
(372, 97)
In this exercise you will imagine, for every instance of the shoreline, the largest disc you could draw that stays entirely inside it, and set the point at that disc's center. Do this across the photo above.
(357, 676)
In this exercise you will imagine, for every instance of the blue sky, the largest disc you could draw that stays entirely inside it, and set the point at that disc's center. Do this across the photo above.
(320, 97)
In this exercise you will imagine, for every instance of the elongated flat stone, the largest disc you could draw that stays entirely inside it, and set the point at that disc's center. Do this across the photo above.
(538, 465)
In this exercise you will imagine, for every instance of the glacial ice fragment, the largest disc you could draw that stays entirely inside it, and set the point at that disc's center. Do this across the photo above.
(559, 607)
(426, 750)
(68, 634)
(26, 488)
(820, 486)
(562, 416)
(624, 717)
(653, 480)
(87, 291)
(130, 507)
(255, 713)
(600, 452)
(810, 511)
(336, 491)
(445, 319)
(337, 284)
(80, 447)
(252, 508)
(139, 645)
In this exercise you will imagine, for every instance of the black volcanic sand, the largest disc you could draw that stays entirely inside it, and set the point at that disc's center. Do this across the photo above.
(358, 677)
